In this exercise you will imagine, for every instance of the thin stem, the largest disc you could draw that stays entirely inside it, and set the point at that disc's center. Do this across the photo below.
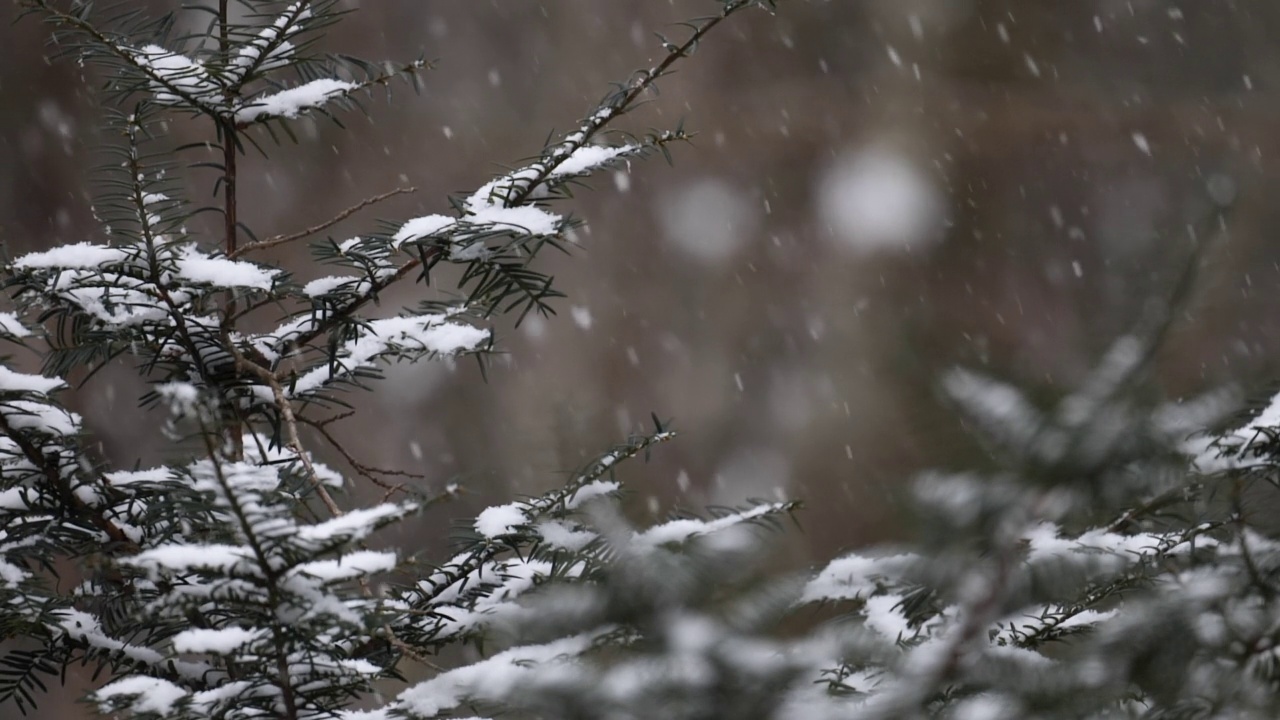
(368, 472)
(301, 234)
(227, 128)
(229, 187)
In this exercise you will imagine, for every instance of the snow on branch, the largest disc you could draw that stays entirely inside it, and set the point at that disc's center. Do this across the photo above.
(589, 158)
(177, 79)
(413, 337)
(683, 530)
(270, 48)
(490, 680)
(312, 95)
(198, 268)
(292, 102)
(11, 328)
(1242, 447)
(466, 234)
(145, 695)
(134, 284)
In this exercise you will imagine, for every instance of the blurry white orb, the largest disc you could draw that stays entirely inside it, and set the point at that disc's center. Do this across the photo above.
(751, 473)
(707, 219)
(874, 200)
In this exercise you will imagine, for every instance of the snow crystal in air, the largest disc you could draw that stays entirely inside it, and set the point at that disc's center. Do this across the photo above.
(1032, 66)
(876, 199)
(750, 473)
(622, 180)
(1140, 141)
(708, 220)
(1222, 189)
(581, 316)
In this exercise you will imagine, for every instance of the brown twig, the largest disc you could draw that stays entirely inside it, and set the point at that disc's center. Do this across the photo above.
(368, 472)
(409, 651)
(290, 422)
(291, 237)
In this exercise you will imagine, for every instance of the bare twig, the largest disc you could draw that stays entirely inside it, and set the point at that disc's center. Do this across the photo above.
(410, 652)
(366, 471)
(291, 237)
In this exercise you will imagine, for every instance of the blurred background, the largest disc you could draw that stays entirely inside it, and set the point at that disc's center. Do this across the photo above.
(879, 190)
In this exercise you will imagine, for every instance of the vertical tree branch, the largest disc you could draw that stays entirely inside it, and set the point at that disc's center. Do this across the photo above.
(227, 128)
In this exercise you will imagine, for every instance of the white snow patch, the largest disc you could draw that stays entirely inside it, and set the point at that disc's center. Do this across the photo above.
(588, 158)
(679, 531)
(561, 535)
(589, 492)
(181, 396)
(353, 525)
(327, 284)
(220, 641)
(885, 617)
(526, 219)
(500, 520)
(852, 577)
(86, 256)
(221, 272)
(491, 679)
(348, 567)
(10, 325)
(151, 695)
(176, 77)
(150, 475)
(179, 557)
(423, 333)
(11, 381)
(290, 103)
(421, 227)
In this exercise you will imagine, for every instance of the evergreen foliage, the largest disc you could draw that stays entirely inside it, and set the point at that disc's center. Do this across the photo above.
(1105, 565)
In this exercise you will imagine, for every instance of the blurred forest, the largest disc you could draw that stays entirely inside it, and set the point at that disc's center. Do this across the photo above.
(879, 190)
